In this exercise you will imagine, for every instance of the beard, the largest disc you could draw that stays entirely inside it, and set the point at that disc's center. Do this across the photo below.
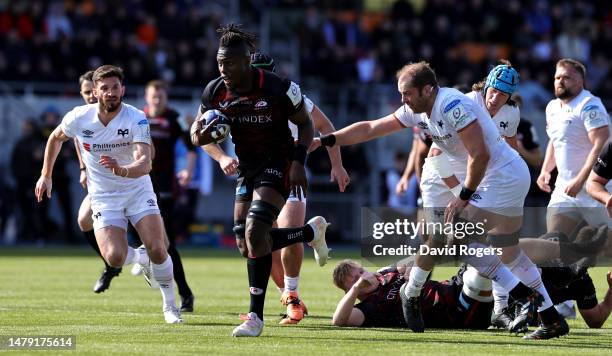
(564, 93)
(109, 107)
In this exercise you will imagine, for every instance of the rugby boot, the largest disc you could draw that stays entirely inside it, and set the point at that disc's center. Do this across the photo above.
(501, 320)
(321, 251)
(251, 327)
(295, 312)
(103, 283)
(187, 304)
(544, 332)
(412, 311)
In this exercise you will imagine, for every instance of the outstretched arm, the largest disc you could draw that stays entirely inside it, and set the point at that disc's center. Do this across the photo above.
(364, 131)
(54, 145)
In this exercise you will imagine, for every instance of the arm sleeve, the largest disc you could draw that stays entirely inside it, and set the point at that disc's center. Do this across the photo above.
(514, 122)
(292, 98)
(309, 104)
(141, 130)
(68, 124)
(459, 113)
(369, 313)
(594, 115)
(406, 117)
(603, 166)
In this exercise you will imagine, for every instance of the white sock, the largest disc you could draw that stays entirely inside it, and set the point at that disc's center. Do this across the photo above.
(528, 273)
(164, 275)
(418, 277)
(492, 267)
(500, 295)
(291, 283)
(140, 256)
(131, 254)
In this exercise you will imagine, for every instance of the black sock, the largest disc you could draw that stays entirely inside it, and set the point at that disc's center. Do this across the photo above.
(289, 236)
(90, 236)
(556, 276)
(179, 273)
(259, 272)
(549, 316)
(520, 291)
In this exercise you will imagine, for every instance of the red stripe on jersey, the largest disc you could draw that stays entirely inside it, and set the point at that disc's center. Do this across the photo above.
(261, 78)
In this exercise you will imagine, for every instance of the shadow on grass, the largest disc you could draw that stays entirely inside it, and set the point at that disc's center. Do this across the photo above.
(567, 341)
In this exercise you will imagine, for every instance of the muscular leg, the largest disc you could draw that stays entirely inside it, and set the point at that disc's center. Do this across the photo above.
(85, 222)
(561, 222)
(503, 233)
(151, 231)
(113, 245)
(278, 271)
(292, 215)
(263, 211)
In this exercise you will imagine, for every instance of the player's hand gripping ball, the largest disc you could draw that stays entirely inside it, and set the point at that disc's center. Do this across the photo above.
(212, 127)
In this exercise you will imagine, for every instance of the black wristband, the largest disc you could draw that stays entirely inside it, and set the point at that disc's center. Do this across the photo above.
(466, 193)
(300, 153)
(83, 168)
(328, 140)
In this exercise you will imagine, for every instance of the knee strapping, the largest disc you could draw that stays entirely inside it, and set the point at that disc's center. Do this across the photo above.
(263, 211)
(503, 240)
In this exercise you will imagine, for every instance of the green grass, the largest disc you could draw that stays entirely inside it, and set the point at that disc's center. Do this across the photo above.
(49, 292)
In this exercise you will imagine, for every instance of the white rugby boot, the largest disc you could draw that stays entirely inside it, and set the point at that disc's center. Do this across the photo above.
(252, 326)
(321, 251)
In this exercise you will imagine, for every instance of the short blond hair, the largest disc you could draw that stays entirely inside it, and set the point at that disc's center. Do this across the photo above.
(342, 270)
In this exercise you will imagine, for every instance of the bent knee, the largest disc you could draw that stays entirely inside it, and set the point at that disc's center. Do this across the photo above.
(85, 222)
(114, 257)
(242, 247)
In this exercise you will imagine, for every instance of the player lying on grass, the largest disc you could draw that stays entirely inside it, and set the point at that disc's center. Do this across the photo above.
(465, 301)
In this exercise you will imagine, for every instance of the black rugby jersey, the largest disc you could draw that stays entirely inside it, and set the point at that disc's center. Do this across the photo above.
(165, 132)
(259, 118)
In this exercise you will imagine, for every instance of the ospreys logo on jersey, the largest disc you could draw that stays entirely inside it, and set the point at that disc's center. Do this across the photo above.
(503, 125)
(123, 133)
(441, 123)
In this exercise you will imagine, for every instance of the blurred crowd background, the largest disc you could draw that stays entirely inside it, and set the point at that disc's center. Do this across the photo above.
(343, 53)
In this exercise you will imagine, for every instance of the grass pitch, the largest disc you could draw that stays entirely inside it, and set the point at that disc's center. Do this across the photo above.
(49, 292)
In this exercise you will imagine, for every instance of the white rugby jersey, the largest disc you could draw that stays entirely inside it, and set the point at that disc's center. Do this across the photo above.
(567, 126)
(452, 111)
(507, 118)
(115, 140)
(309, 107)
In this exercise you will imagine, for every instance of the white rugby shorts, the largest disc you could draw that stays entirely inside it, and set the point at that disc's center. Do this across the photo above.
(116, 208)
